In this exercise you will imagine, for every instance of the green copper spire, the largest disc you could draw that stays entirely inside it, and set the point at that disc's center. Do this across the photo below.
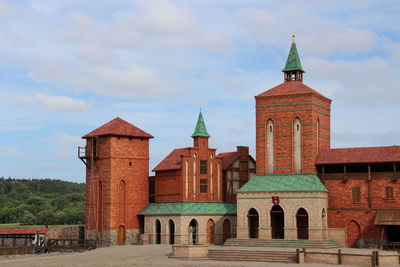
(293, 61)
(200, 130)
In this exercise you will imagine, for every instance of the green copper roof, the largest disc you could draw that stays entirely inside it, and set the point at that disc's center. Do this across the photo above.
(189, 208)
(200, 130)
(283, 183)
(293, 60)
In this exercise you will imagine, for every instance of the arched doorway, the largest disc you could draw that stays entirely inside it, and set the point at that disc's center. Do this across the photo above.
(193, 232)
(171, 226)
(226, 227)
(252, 218)
(210, 231)
(121, 235)
(302, 224)
(158, 232)
(277, 222)
(353, 233)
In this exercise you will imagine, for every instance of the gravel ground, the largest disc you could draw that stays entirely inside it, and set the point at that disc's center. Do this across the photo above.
(149, 255)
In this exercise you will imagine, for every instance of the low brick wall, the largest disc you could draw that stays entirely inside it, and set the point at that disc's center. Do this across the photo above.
(189, 251)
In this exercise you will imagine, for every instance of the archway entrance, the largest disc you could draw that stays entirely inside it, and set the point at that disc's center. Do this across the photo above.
(210, 231)
(302, 224)
(226, 227)
(171, 225)
(277, 222)
(252, 218)
(353, 233)
(193, 232)
(121, 238)
(158, 232)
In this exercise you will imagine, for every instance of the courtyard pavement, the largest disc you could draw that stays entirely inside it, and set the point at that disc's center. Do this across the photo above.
(149, 255)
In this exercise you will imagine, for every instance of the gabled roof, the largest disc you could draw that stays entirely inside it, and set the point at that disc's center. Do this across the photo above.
(118, 127)
(228, 158)
(284, 183)
(201, 130)
(359, 155)
(24, 231)
(173, 160)
(291, 88)
(189, 208)
(293, 61)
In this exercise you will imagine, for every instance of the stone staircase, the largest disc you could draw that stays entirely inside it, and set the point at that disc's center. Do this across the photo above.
(252, 255)
(280, 243)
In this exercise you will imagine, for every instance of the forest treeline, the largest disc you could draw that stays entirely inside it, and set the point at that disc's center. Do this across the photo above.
(39, 200)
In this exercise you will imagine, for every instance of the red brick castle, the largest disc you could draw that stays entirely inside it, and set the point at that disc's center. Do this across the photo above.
(298, 188)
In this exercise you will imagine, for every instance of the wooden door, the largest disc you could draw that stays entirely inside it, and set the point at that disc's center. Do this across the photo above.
(210, 231)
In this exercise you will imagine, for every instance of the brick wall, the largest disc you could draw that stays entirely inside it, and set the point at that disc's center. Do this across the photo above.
(310, 108)
(118, 159)
(171, 184)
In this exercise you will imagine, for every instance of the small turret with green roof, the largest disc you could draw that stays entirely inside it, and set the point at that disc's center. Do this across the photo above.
(293, 69)
(201, 130)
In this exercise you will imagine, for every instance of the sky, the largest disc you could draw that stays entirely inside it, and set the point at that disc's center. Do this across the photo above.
(67, 67)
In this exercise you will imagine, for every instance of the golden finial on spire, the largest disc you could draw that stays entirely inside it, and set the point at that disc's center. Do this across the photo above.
(294, 34)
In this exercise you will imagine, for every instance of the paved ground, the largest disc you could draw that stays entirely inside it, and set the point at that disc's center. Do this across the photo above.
(150, 255)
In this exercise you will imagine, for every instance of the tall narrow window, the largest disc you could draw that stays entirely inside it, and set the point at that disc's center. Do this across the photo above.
(122, 201)
(297, 145)
(187, 179)
(219, 181)
(317, 134)
(203, 185)
(389, 192)
(356, 194)
(94, 147)
(194, 175)
(211, 178)
(270, 146)
(203, 166)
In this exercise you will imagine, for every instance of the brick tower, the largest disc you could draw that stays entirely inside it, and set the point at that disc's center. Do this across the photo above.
(117, 167)
(292, 123)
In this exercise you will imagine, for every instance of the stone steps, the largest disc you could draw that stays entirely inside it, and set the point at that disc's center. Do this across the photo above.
(251, 255)
(281, 243)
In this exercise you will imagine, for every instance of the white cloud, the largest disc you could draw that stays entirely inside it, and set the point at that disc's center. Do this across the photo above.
(55, 103)
(67, 140)
(367, 81)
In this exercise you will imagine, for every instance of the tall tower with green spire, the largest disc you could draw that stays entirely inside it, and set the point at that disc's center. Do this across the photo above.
(293, 69)
(292, 123)
(200, 134)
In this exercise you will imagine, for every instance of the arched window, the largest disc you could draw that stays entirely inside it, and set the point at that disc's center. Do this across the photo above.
(187, 179)
(270, 146)
(389, 192)
(211, 178)
(122, 201)
(194, 174)
(356, 194)
(219, 181)
(100, 207)
(317, 134)
(297, 145)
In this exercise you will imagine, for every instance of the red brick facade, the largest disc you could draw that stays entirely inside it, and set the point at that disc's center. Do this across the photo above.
(116, 184)
(179, 176)
(345, 210)
(301, 102)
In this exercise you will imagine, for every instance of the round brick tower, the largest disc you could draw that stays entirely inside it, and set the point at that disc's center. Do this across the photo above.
(117, 167)
(292, 123)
